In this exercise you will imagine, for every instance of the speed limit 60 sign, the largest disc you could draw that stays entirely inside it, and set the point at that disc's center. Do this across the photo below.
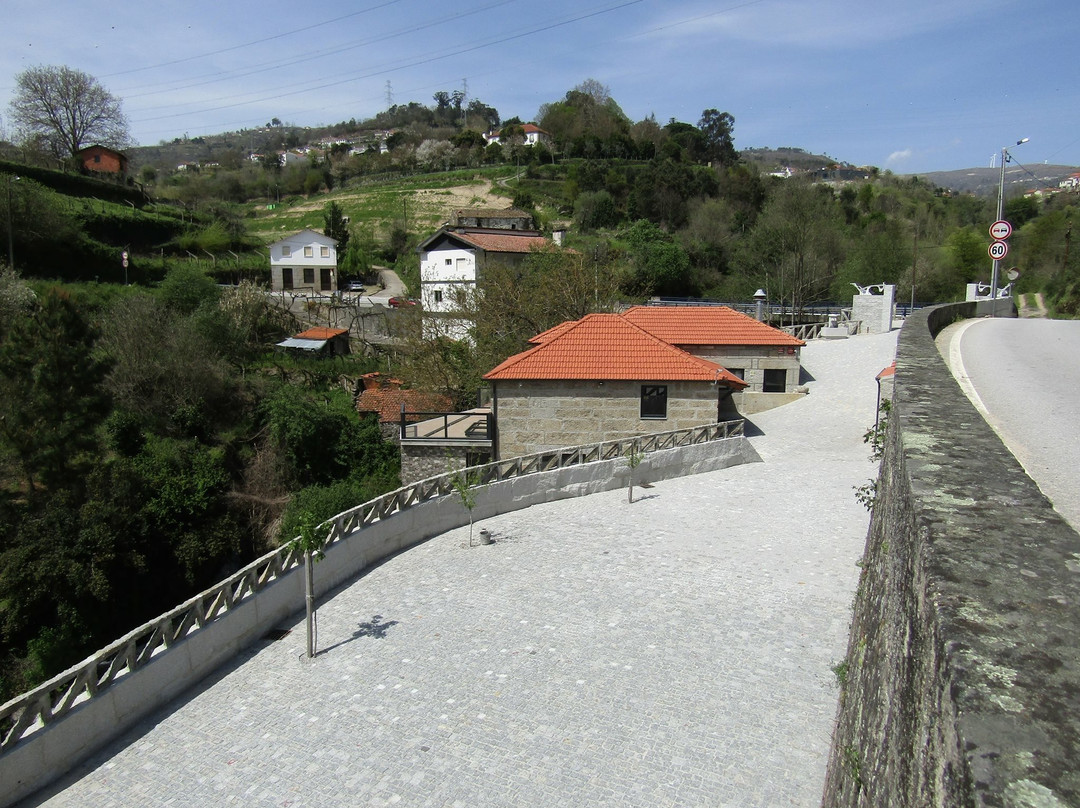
(998, 250)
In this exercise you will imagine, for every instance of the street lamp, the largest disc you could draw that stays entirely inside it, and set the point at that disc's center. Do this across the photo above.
(1000, 213)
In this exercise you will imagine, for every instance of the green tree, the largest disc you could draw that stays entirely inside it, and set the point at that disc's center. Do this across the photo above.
(660, 266)
(336, 226)
(796, 246)
(186, 287)
(66, 109)
(51, 393)
(718, 129)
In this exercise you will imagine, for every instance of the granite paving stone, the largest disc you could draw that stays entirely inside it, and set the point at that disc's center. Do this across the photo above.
(675, 651)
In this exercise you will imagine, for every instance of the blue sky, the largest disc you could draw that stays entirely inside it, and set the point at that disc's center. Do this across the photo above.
(906, 85)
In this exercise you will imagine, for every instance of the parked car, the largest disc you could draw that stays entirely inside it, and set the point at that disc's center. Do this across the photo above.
(355, 286)
(399, 302)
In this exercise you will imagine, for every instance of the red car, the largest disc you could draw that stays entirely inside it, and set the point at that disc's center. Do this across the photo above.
(398, 302)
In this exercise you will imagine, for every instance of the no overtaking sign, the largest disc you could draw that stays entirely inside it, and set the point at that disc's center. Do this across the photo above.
(1000, 230)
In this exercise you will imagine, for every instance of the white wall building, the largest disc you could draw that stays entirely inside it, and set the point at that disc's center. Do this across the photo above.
(304, 262)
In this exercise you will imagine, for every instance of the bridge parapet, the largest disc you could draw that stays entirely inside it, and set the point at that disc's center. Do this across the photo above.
(46, 731)
(961, 684)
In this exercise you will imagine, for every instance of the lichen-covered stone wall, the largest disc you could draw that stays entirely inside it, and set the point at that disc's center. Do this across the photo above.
(961, 684)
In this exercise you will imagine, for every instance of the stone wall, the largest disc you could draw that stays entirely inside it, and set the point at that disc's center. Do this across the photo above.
(754, 360)
(421, 462)
(961, 684)
(536, 416)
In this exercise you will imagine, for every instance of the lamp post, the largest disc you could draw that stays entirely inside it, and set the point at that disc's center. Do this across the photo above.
(994, 273)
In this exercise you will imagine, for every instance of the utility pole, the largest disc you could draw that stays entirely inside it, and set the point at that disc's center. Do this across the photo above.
(994, 273)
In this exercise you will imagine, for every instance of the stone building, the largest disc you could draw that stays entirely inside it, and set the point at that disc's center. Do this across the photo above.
(602, 377)
(766, 358)
(494, 218)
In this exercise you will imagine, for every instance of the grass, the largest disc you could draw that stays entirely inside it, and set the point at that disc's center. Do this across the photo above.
(425, 201)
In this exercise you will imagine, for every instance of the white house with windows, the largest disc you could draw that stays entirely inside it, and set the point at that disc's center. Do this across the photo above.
(305, 262)
(451, 261)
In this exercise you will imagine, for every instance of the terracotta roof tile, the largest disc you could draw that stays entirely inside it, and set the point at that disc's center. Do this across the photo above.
(706, 325)
(387, 403)
(608, 347)
(505, 242)
(321, 333)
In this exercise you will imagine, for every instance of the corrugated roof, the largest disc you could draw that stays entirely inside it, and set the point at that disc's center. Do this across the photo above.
(302, 344)
(607, 347)
(707, 325)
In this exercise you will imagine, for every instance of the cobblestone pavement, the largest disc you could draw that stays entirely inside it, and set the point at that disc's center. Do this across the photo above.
(676, 651)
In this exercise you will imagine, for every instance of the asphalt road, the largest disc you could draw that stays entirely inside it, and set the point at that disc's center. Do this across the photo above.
(1024, 376)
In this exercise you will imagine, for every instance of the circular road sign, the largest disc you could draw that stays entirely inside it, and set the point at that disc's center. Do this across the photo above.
(998, 250)
(1000, 230)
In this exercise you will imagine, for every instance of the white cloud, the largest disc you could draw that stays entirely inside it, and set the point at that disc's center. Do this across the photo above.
(899, 157)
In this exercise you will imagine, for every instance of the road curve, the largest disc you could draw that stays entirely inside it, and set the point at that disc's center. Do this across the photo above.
(1024, 376)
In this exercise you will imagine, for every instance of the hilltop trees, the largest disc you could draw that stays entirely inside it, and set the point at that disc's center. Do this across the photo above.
(64, 110)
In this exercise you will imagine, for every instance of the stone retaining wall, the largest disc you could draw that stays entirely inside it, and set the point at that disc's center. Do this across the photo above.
(961, 684)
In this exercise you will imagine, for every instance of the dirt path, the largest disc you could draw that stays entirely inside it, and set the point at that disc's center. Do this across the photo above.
(1032, 305)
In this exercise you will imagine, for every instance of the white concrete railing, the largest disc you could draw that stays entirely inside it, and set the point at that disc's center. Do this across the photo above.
(56, 699)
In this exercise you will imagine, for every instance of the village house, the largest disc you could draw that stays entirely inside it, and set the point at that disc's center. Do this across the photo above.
(304, 262)
(319, 340)
(533, 135)
(493, 218)
(452, 261)
(599, 378)
(766, 358)
(103, 159)
(430, 437)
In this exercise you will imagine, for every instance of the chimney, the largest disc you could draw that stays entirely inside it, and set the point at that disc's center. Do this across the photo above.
(759, 308)
(557, 236)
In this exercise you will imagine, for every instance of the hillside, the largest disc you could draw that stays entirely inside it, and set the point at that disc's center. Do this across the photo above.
(1019, 178)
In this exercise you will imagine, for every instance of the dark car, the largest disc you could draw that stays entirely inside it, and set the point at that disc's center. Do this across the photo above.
(399, 302)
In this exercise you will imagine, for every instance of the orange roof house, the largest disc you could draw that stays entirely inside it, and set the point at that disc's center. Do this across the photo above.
(650, 369)
(319, 340)
(386, 397)
(767, 358)
(707, 325)
(603, 377)
(607, 347)
(102, 159)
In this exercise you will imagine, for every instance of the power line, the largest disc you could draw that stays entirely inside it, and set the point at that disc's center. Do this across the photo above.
(306, 88)
(290, 32)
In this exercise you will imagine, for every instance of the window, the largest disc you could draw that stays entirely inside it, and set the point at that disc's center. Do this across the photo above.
(654, 401)
(286, 251)
(740, 372)
(449, 261)
(775, 381)
(309, 276)
(308, 252)
(438, 295)
(286, 278)
(324, 252)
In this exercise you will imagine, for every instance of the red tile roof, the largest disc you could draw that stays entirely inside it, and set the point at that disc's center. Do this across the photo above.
(607, 347)
(706, 325)
(506, 242)
(321, 333)
(387, 403)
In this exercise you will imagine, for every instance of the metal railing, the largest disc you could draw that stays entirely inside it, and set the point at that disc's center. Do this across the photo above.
(472, 426)
(52, 700)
